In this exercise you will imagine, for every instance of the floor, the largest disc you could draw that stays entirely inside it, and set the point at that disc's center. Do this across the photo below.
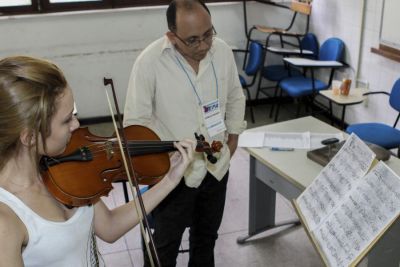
(288, 247)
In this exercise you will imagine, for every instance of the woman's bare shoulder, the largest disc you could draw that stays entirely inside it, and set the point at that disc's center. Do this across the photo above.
(12, 235)
(11, 227)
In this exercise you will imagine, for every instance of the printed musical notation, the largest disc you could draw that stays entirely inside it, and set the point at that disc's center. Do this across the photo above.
(345, 208)
(335, 180)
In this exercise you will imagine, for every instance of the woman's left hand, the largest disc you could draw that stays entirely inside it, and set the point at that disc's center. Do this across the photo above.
(181, 160)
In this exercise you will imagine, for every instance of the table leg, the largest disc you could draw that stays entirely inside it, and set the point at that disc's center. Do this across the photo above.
(262, 202)
(343, 114)
(331, 112)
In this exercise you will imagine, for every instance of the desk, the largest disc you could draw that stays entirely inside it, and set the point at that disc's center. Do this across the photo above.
(355, 97)
(289, 173)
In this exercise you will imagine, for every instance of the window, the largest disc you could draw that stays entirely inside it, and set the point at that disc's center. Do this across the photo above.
(45, 6)
(389, 43)
(6, 3)
(17, 6)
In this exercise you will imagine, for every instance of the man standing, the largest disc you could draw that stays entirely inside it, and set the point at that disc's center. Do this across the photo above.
(184, 83)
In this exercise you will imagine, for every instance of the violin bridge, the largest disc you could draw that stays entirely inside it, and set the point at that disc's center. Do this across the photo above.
(109, 150)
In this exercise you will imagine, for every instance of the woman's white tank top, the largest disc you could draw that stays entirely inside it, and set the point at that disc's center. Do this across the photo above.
(60, 244)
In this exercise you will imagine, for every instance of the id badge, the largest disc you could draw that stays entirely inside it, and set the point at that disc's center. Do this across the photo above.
(213, 118)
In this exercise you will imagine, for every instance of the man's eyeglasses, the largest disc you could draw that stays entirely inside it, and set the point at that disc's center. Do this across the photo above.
(194, 42)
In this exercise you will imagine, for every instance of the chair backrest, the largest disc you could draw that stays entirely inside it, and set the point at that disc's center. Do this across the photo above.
(394, 98)
(310, 42)
(332, 49)
(301, 7)
(255, 58)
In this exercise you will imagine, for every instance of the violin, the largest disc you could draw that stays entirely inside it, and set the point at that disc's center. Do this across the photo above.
(90, 163)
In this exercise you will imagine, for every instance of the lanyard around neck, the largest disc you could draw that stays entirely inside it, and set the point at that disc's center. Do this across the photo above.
(191, 83)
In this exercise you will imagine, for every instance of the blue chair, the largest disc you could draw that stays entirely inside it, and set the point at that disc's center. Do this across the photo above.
(253, 65)
(330, 56)
(378, 133)
(308, 48)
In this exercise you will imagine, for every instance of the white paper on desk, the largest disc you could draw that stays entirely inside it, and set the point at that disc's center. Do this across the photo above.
(316, 139)
(287, 140)
(251, 139)
(305, 140)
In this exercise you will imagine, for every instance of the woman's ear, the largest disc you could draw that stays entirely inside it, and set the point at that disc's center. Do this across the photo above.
(27, 138)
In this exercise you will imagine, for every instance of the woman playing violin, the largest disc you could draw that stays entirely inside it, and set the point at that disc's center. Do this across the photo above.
(36, 118)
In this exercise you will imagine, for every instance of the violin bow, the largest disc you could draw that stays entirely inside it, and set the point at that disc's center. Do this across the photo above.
(138, 200)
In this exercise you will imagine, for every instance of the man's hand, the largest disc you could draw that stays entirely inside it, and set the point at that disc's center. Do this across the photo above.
(232, 143)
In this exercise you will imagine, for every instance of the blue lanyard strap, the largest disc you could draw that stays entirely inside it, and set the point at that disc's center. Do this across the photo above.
(215, 76)
(191, 83)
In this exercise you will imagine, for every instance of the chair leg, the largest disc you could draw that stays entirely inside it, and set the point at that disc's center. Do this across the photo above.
(271, 112)
(250, 104)
(312, 106)
(278, 106)
(247, 48)
(299, 107)
(259, 85)
(306, 108)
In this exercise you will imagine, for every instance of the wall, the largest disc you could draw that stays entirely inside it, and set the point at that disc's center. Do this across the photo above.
(91, 45)
(357, 22)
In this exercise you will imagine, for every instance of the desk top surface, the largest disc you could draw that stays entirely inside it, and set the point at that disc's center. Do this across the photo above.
(355, 96)
(305, 62)
(289, 51)
(294, 165)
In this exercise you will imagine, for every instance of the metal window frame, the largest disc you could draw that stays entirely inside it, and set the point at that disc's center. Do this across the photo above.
(44, 6)
(10, 10)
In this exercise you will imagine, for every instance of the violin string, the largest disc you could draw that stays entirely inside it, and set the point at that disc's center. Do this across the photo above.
(135, 144)
(137, 152)
(136, 148)
(142, 148)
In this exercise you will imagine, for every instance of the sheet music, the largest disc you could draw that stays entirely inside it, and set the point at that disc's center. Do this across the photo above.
(363, 214)
(335, 180)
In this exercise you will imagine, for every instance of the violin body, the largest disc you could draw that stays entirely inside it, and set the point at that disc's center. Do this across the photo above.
(83, 180)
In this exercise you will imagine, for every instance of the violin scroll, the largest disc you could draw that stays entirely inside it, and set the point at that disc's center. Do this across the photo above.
(203, 146)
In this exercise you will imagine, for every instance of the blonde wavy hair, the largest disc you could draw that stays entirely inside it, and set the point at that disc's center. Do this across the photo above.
(29, 88)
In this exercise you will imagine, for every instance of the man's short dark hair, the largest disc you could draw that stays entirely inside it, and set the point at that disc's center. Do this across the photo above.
(175, 5)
